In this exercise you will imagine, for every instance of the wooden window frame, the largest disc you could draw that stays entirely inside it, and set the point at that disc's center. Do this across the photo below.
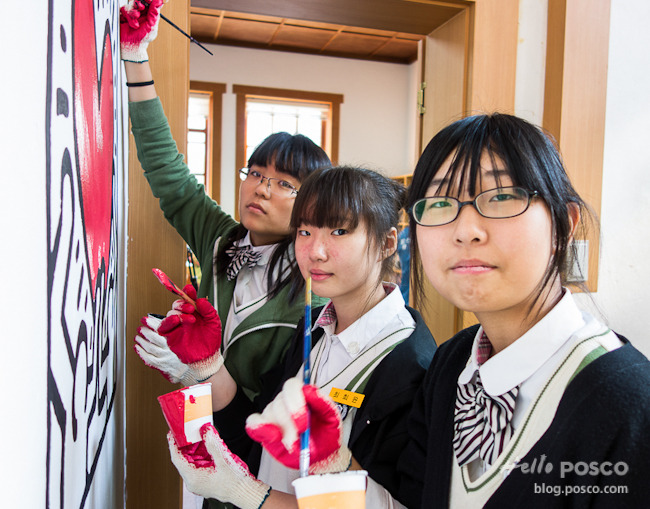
(213, 145)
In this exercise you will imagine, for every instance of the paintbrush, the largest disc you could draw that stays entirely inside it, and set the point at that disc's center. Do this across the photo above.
(171, 286)
(304, 436)
(192, 39)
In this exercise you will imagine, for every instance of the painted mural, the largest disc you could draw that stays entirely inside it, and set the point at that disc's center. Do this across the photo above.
(83, 145)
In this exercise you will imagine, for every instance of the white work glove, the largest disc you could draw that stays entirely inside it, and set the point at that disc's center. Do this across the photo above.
(227, 479)
(138, 27)
(157, 353)
(279, 426)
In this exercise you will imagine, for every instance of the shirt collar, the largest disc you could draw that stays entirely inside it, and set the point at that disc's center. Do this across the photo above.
(266, 250)
(366, 328)
(519, 361)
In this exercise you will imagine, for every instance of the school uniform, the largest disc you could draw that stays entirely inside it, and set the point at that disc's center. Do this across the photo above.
(393, 343)
(259, 339)
(583, 403)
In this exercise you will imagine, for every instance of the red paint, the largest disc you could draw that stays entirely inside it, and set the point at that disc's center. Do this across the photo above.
(192, 399)
(173, 407)
(93, 118)
(171, 286)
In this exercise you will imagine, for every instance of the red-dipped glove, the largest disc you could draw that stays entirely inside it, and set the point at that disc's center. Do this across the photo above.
(225, 478)
(190, 352)
(279, 426)
(194, 335)
(138, 27)
(154, 351)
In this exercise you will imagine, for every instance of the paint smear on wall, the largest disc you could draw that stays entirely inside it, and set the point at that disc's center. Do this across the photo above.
(83, 189)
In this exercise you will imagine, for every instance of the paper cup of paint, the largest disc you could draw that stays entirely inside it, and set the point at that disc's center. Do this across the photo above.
(345, 490)
(186, 410)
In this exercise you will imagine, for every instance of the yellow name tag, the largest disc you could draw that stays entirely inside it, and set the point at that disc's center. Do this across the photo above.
(346, 397)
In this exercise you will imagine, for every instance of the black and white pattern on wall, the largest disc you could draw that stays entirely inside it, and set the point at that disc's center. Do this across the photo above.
(82, 146)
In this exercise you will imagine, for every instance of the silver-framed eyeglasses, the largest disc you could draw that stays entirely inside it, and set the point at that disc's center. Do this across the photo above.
(276, 186)
(499, 203)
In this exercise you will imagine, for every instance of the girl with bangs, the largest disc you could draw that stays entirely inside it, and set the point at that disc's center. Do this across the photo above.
(540, 404)
(365, 341)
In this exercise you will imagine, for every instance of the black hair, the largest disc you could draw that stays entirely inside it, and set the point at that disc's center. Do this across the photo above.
(532, 161)
(347, 195)
(295, 155)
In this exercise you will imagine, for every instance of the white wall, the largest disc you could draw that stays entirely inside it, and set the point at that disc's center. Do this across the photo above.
(23, 271)
(624, 278)
(622, 298)
(383, 140)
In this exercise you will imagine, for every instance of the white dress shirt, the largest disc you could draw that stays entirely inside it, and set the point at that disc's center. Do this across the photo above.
(333, 360)
(251, 290)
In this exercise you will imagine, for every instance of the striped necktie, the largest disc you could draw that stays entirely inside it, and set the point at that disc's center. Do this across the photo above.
(482, 423)
(241, 256)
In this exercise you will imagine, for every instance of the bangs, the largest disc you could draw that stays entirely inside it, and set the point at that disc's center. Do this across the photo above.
(295, 155)
(341, 206)
(465, 172)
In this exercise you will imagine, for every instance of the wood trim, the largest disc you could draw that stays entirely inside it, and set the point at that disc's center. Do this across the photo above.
(287, 93)
(240, 147)
(575, 99)
(336, 131)
(216, 91)
(151, 479)
(447, 58)
(494, 33)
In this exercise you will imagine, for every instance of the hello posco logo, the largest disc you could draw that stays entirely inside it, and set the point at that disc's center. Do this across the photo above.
(581, 468)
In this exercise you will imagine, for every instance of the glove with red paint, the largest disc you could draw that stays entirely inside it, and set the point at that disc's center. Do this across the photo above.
(227, 478)
(279, 426)
(194, 334)
(138, 27)
(154, 351)
(185, 345)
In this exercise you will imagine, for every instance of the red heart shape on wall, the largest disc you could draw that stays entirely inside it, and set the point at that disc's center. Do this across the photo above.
(93, 119)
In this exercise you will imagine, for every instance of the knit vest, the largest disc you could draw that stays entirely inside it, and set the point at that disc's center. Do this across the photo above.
(471, 494)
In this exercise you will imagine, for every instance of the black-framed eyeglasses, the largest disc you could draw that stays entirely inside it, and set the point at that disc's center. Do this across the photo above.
(277, 186)
(499, 203)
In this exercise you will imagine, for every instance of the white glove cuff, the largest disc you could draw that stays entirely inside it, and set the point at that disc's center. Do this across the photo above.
(338, 462)
(200, 371)
(250, 494)
(137, 54)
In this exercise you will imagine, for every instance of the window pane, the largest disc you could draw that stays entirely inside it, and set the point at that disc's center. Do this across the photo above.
(197, 122)
(311, 127)
(258, 126)
(196, 158)
(267, 116)
(284, 122)
(196, 137)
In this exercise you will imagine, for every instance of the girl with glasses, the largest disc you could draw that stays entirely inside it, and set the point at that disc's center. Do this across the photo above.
(366, 341)
(246, 265)
(513, 409)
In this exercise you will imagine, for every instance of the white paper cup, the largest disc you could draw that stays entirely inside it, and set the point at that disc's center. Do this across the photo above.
(345, 490)
(186, 410)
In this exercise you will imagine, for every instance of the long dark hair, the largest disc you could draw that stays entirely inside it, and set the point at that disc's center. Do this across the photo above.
(532, 161)
(295, 155)
(347, 195)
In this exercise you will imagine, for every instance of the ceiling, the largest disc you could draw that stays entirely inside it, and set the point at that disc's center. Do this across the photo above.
(379, 30)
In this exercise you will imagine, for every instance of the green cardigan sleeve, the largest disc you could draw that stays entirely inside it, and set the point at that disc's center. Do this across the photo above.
(194, 215)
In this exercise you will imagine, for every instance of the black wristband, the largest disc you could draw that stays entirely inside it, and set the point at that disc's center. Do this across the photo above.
(139, 84)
